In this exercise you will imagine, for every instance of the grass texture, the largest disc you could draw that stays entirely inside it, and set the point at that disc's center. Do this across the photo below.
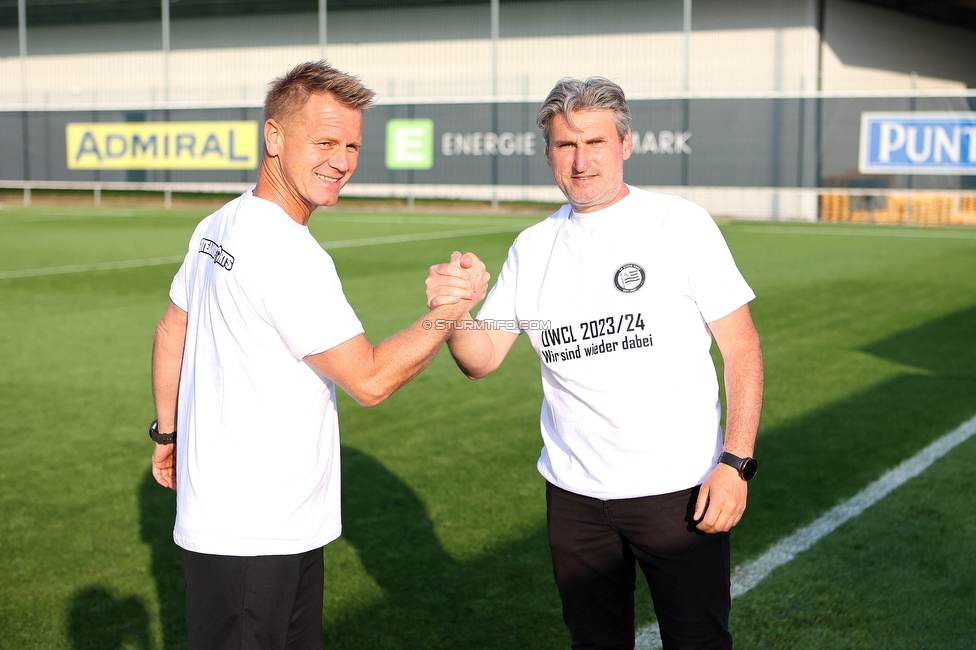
(868, 341)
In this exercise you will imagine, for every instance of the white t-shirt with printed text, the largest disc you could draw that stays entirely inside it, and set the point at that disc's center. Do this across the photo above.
(258, 443)
(616, 302)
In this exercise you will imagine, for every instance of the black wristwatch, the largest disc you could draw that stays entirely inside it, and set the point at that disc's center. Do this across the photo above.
(160, 438)
(746, 467)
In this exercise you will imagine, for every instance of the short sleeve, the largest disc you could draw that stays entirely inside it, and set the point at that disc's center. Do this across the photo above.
(178, 291)
(499, 306)
(179, 288)
(715, 281)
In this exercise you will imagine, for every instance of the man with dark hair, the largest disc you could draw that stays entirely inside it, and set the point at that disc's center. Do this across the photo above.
(632, 287)
(246, 358)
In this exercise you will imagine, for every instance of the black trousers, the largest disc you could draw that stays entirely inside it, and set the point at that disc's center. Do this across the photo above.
(595, 545)
(269, 602)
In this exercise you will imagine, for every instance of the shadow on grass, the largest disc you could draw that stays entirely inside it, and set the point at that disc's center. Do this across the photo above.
(157, 514)
(502, 599)
(101, 621)
(812, 464)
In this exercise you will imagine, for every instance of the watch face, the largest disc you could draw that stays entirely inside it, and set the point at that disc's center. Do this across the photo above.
(749, 468)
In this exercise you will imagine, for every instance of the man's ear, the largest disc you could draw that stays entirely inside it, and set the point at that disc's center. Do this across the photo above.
(273, 136)
(627, 145)
(548, 159)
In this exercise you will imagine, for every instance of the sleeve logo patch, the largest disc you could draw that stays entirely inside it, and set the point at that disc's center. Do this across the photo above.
(629, 278)
(219, 255)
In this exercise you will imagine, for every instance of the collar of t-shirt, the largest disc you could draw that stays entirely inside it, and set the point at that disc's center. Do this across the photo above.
(587, 220)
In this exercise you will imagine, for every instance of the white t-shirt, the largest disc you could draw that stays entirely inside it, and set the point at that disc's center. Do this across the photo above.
(615, 303)
(258, 444)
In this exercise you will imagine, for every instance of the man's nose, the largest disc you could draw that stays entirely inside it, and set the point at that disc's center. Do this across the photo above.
(340, 161)
(581, 159)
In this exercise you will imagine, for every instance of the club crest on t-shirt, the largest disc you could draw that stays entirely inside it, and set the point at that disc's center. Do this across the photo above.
(629, 278)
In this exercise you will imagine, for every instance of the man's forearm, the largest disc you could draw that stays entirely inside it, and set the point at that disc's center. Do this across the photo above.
(167, 364)
(400, 358)
(738, 341)
(744, 394)
(371, 374)
(473, 350)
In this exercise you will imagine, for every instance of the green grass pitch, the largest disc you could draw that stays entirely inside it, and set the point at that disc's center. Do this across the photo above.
(868, 336)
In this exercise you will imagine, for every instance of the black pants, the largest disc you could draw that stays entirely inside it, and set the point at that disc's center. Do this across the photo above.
(270, 602)
(594, 546)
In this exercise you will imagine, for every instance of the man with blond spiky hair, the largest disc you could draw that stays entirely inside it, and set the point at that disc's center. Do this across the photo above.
(254, 340)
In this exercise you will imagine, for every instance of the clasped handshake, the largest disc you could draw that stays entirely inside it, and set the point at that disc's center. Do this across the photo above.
(463, 282)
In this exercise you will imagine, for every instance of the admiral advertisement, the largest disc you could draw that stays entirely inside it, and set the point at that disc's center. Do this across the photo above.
(162, 145)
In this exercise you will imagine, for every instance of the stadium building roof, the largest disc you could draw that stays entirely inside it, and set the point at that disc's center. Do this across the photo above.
(961, 13)
(68, 12)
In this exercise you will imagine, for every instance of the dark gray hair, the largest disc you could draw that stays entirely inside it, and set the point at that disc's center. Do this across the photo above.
(290, 92)
(595, 93)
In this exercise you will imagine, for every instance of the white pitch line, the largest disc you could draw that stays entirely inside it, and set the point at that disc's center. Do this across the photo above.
(424, 236)
(84, 268)
(444, 220)
(746, 577)
(347, 243)
(67, 216)
(852, 232)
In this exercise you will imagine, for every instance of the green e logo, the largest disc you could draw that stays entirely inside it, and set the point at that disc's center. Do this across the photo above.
(410, 144)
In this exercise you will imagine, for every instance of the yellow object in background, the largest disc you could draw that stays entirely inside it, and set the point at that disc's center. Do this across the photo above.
(162, 145)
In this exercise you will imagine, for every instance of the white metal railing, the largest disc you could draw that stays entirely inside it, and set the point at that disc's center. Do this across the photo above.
(868, 205)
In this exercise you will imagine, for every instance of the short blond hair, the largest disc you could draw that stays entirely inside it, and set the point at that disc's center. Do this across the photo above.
(290, 92)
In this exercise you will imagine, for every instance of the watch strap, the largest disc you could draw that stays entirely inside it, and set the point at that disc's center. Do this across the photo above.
(160, 438)
(746, 467)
